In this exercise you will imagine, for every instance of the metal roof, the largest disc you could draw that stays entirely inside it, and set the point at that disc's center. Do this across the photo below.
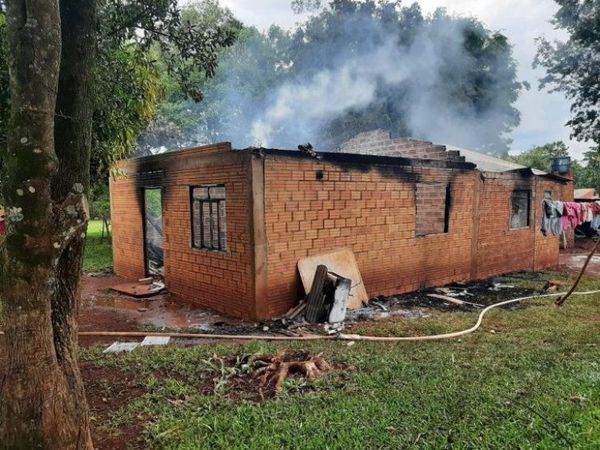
(489, 163)
(586, 194)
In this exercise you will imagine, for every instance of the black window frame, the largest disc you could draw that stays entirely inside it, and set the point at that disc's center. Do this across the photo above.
(221, 235)
(529, 198)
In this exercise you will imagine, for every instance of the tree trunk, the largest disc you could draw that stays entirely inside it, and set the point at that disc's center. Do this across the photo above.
(42, 402)
(73, 139)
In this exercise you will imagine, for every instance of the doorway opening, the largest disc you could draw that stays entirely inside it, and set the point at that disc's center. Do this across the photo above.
(153, 232)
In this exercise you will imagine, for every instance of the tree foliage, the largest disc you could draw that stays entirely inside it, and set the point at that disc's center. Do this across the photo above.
(540, 157)
(128, 75)
(588, 176)
(247, 72)
(126, 97)
(586, 172)
(573, 66)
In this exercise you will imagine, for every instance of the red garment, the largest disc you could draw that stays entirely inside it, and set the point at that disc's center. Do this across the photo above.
(2, 227)
(571, 215)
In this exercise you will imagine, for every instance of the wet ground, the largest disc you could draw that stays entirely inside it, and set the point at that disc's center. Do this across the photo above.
(105, 310)
(102, 309)
(573, 259)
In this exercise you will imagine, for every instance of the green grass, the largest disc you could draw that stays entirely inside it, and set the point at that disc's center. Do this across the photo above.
(98, 255)
(533, 383)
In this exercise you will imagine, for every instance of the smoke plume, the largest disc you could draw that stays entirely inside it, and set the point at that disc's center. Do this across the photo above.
(423, 82)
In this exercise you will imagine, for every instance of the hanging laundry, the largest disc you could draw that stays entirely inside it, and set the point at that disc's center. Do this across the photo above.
(596, 220)
(587, 212)
(571, 216)
(551, 219)
(559, 217)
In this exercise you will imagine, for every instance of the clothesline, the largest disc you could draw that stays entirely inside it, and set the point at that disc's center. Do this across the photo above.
(560, 217)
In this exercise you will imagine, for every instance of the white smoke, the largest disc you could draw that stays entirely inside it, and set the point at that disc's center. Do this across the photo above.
(420, 87)
(301, 107)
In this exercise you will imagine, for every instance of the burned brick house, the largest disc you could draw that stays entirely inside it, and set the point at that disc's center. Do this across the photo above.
(226, 228)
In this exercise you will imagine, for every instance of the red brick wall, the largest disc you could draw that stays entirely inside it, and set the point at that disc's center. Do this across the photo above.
(311, 207)
(370, 211)
(380, 142)
(127, 226)
(501, 249)
(546, 247)
(220, 281)
(430, 199)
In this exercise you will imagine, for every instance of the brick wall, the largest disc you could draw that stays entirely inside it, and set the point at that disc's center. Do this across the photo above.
(430, 200)
(126, 205)
(373, 212)
(311, 207)
(380, 142)
(222, 281)
(502, 249)
(369, 210)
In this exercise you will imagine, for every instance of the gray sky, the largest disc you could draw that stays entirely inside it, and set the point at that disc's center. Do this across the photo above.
(542, 114)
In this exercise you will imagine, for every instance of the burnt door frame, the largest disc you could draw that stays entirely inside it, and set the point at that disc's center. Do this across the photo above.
(144, 226)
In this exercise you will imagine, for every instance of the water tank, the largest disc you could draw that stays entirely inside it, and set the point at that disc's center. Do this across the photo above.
(561, 165)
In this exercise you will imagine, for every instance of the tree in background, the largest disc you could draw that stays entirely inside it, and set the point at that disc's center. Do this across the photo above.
(248, 71)
(573, 67)
(587, 172)
(541, 157)
(588, 176)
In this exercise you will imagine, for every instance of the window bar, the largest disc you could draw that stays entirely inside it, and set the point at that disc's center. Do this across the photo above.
(210, 222)
(201, 208)
(218, 204)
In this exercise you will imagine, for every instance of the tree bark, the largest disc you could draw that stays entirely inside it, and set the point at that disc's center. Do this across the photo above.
(42, 401)
(73, 140)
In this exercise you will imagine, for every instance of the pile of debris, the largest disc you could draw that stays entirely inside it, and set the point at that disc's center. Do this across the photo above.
(145, 287)
(326, 302)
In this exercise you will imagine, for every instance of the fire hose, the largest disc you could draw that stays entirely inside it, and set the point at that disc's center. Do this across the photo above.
(341, 336)
(355, 337)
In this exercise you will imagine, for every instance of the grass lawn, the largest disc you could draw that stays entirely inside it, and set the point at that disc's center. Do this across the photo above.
(530, 378)
(98, 255)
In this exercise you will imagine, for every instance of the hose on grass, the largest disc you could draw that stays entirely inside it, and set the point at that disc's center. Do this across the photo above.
(354, 337)
(358, 337)
(341, 336)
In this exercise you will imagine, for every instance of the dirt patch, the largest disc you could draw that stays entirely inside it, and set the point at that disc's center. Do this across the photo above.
(573, 263)
(580, 246)
(108, 390)
(102, 309)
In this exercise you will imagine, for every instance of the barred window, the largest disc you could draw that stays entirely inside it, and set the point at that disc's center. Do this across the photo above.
(209, 230)
(520, 209)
